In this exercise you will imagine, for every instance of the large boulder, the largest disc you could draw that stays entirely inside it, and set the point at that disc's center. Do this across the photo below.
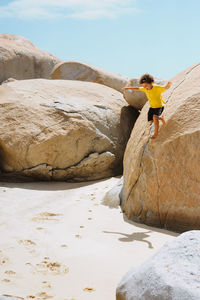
(74, 70)
(172, 273)
(20, 59)
(162, 176)
(62, 130)
(138, 99)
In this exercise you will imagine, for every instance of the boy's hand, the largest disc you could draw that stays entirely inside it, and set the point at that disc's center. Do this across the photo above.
(168, 85)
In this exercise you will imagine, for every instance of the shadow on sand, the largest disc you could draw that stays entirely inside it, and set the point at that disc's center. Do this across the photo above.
(140, 236)
(51, 185)
(135, 236)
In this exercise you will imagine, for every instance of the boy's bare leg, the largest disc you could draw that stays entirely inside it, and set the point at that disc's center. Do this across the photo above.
(162, 120)
(156, 126)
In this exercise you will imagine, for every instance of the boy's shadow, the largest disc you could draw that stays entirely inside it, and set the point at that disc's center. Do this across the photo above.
(135, 236)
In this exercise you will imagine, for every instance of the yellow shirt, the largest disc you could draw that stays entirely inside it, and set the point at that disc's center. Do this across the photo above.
(154, 95)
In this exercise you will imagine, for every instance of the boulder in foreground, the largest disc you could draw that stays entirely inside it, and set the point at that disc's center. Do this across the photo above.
(172, 273)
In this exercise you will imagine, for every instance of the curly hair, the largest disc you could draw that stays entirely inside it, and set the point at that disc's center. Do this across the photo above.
(146, 78)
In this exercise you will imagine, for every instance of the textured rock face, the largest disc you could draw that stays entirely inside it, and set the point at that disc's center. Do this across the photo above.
(62, 130)
(162, 177)
(172, 273)
(74, 70)
(20, 59)
(138, 99)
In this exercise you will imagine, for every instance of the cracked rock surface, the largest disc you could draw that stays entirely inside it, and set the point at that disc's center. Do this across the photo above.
(162, 176)
(20, 59)
(62, 130)
(172, 273)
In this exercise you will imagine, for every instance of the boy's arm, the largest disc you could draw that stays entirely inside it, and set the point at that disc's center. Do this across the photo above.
(131, 88)
(168, 85)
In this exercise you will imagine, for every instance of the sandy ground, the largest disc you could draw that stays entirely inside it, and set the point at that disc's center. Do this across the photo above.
(57, 241)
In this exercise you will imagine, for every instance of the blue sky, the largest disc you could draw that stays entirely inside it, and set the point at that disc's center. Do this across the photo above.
(129, 37)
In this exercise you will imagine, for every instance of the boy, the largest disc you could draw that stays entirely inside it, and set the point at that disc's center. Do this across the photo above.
(153, 93)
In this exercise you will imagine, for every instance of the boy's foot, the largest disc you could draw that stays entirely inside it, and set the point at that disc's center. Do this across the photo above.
(153, 137)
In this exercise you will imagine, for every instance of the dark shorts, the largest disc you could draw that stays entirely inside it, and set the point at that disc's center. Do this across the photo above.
(154, 111)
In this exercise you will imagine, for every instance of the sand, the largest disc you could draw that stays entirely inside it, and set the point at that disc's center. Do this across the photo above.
(59, 242)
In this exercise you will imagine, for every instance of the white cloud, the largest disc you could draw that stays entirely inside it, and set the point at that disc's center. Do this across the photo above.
(81, 9)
